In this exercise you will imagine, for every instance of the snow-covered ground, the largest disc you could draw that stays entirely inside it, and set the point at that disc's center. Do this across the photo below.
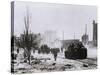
(47, 63)
(92, 52)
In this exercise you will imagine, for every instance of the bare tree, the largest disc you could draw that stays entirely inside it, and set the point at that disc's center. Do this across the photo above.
(27, 40)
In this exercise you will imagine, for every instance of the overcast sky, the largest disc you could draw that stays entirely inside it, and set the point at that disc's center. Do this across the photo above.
(65, 18)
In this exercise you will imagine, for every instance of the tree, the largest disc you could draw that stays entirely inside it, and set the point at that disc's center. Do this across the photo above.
(45, 49)
(76, 50)
(27, 40)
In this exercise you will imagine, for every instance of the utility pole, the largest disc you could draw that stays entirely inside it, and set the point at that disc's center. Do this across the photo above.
(63, 35)
(86, 29)
(62, 41)
(74, 35)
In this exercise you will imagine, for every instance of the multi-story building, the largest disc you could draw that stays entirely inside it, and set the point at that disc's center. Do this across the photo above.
(50, 39)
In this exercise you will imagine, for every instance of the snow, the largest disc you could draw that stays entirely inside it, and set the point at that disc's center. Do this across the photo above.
(92, 52)
(47, 61)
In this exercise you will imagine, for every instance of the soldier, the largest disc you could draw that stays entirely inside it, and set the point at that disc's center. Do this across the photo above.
(55, 55)
(17, 50)
(55, 52)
